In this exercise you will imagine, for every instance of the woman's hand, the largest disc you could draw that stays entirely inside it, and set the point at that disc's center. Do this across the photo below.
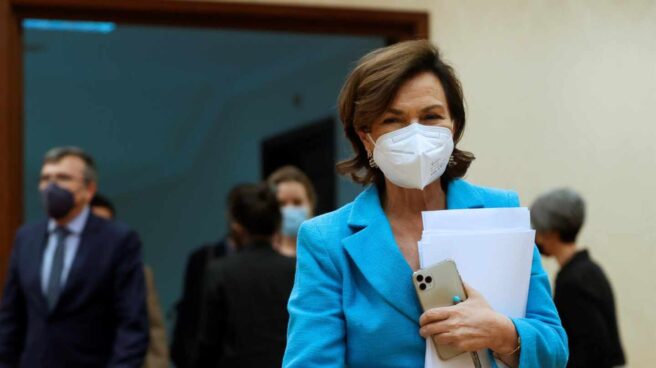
(470, 326)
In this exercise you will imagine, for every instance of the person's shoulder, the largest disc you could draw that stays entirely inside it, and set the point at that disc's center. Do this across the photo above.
(113, 228)
(236, 266)
(284, 261)
(328, 225)
(585, 276)
(29, 231)
(31, 228)
(591, 273)
(221, 264)
(115, 234)
(323, 234)
(492, 197)
(332, 218)
(200, 254)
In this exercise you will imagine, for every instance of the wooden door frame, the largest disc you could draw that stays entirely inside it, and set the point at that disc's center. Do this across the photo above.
(393, 25)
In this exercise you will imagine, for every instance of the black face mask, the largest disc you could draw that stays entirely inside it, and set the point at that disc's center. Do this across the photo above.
(57, 201)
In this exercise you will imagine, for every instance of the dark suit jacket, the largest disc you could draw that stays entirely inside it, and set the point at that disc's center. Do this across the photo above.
(100, 319)
(188, 309)
(584, 300)
(245, 317)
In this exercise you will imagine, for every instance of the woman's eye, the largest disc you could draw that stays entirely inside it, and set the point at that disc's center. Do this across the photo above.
(391, 120)
(433, 117)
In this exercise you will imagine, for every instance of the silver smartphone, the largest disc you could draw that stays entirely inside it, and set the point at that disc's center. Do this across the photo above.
(436, 286)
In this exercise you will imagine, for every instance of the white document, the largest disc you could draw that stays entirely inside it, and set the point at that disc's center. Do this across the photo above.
(496, 264)
(477, 219)
(493, 250)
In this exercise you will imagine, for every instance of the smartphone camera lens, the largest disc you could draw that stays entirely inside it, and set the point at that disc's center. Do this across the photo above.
(422, 286)
(429, 279)
(420, 278)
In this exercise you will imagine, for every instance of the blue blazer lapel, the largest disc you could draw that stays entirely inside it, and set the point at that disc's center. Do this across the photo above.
(374, 251)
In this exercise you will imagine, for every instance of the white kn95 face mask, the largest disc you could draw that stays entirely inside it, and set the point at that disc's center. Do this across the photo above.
(414, 156)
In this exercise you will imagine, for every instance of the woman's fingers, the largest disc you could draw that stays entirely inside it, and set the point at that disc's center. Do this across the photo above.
(436, 328)
(466, 326)
(435, 315)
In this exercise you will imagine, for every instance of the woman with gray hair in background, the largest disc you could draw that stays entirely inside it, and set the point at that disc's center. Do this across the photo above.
(583, 295)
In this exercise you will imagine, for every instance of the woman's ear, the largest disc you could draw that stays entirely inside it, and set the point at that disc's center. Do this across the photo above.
(366, 141)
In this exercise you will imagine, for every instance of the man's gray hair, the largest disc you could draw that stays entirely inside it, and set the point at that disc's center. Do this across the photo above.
(58, 153)
(561, 210)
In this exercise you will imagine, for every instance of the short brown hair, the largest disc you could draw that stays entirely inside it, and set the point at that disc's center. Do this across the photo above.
(255, 207)
(57, 154)
(371, 88)
(292, 173)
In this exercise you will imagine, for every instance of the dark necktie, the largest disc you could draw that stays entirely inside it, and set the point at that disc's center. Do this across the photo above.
(54, 282)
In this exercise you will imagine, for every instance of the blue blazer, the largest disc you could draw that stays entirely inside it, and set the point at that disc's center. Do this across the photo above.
(354, 304)
(100, 319)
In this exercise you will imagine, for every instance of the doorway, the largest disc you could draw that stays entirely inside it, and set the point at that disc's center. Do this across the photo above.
(311, 148)
(390, 26)
(175, 117)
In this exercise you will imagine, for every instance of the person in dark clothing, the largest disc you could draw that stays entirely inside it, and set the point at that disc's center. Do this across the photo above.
(244, 318)
(188, 309)
(75, 291)
(583, 295)
(157, 355)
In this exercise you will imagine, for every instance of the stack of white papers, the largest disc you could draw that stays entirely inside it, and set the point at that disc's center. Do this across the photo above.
(493, 250)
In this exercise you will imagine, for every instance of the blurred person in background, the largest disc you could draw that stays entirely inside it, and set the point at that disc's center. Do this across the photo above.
(298, 202)
(102, 207)
(583, 295)
(74, 295)
(157, 355)
(244, 313)
(188, 312)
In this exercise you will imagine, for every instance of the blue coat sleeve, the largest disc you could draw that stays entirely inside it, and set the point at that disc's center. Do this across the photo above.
(316, 333)
(544, 342)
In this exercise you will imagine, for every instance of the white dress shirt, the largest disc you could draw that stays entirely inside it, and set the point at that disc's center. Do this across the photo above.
(71, 243)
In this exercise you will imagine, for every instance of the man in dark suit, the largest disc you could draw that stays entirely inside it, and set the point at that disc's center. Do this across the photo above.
(74, 295)
(583, 295)
(244, 322)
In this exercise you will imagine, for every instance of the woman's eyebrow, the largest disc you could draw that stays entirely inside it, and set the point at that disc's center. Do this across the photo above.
(394, 111)
(439, 105)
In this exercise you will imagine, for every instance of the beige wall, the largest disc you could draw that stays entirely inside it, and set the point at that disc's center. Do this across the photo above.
(564, 93)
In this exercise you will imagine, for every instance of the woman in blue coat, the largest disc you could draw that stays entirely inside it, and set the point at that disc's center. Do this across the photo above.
(353, 302)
